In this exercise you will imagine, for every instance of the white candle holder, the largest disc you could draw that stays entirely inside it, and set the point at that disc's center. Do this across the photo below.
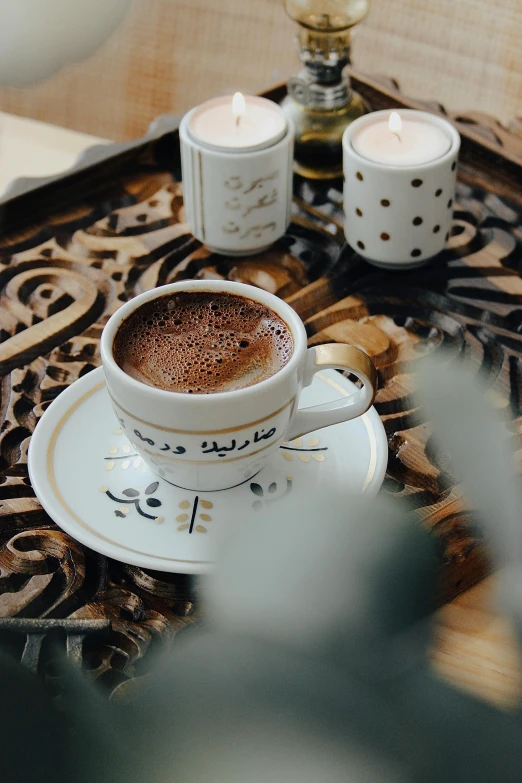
(237, 198)
(399, 216)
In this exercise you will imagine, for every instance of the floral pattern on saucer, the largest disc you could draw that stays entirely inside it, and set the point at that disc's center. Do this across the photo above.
(194, 512)
(311, 449)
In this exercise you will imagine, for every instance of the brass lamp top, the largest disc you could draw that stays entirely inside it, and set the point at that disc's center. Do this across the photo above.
(327, 16)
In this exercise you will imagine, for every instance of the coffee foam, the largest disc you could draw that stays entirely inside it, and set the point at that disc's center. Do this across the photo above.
(202, 342)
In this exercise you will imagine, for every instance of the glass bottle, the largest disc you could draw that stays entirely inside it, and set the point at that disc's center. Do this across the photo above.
(320, 101)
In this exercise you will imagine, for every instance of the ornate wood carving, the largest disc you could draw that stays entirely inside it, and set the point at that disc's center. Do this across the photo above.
(61, 280)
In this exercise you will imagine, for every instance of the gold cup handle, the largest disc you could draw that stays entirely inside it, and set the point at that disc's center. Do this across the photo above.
(340, 357)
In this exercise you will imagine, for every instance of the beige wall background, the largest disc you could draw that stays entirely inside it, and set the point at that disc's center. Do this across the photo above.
(170, 54)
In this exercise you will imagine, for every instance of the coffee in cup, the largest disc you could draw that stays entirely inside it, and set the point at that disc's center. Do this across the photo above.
(202, 342)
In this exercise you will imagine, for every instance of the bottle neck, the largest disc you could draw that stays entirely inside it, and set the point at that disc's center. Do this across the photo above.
(306, 90)
(324, 54)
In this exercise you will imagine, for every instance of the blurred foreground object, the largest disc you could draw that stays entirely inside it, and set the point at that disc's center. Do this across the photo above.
(478, 439)
(39, 37)
(320, 101)
(312, 664)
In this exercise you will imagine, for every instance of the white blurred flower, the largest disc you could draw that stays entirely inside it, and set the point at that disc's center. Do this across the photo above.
(39, 37)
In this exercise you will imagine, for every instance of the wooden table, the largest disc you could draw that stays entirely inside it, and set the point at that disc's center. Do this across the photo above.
(135, 225)
(475, 648)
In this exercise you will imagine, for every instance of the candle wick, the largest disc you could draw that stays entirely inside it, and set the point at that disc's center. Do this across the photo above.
(238, 118)
(397, 136)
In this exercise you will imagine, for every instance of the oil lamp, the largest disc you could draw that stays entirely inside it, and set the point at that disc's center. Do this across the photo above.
(320, 101)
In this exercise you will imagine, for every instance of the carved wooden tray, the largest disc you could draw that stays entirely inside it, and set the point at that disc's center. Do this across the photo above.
(113, 229)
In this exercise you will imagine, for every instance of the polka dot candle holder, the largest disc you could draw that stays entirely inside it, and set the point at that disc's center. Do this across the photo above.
(399, 216)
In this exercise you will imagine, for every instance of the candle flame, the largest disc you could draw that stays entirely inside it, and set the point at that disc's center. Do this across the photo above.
(395, 122)
(238, 105)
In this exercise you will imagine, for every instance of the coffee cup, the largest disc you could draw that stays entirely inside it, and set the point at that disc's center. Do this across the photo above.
(217, 440)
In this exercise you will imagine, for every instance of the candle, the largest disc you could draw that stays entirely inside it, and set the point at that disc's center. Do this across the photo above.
(236, 159)
(400, 172)
(238, 123)
(401, 142)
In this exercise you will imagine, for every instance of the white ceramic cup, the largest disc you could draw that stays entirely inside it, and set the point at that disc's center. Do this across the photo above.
(215, 441)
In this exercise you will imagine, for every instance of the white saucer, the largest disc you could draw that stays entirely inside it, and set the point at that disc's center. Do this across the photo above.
(86, 477)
